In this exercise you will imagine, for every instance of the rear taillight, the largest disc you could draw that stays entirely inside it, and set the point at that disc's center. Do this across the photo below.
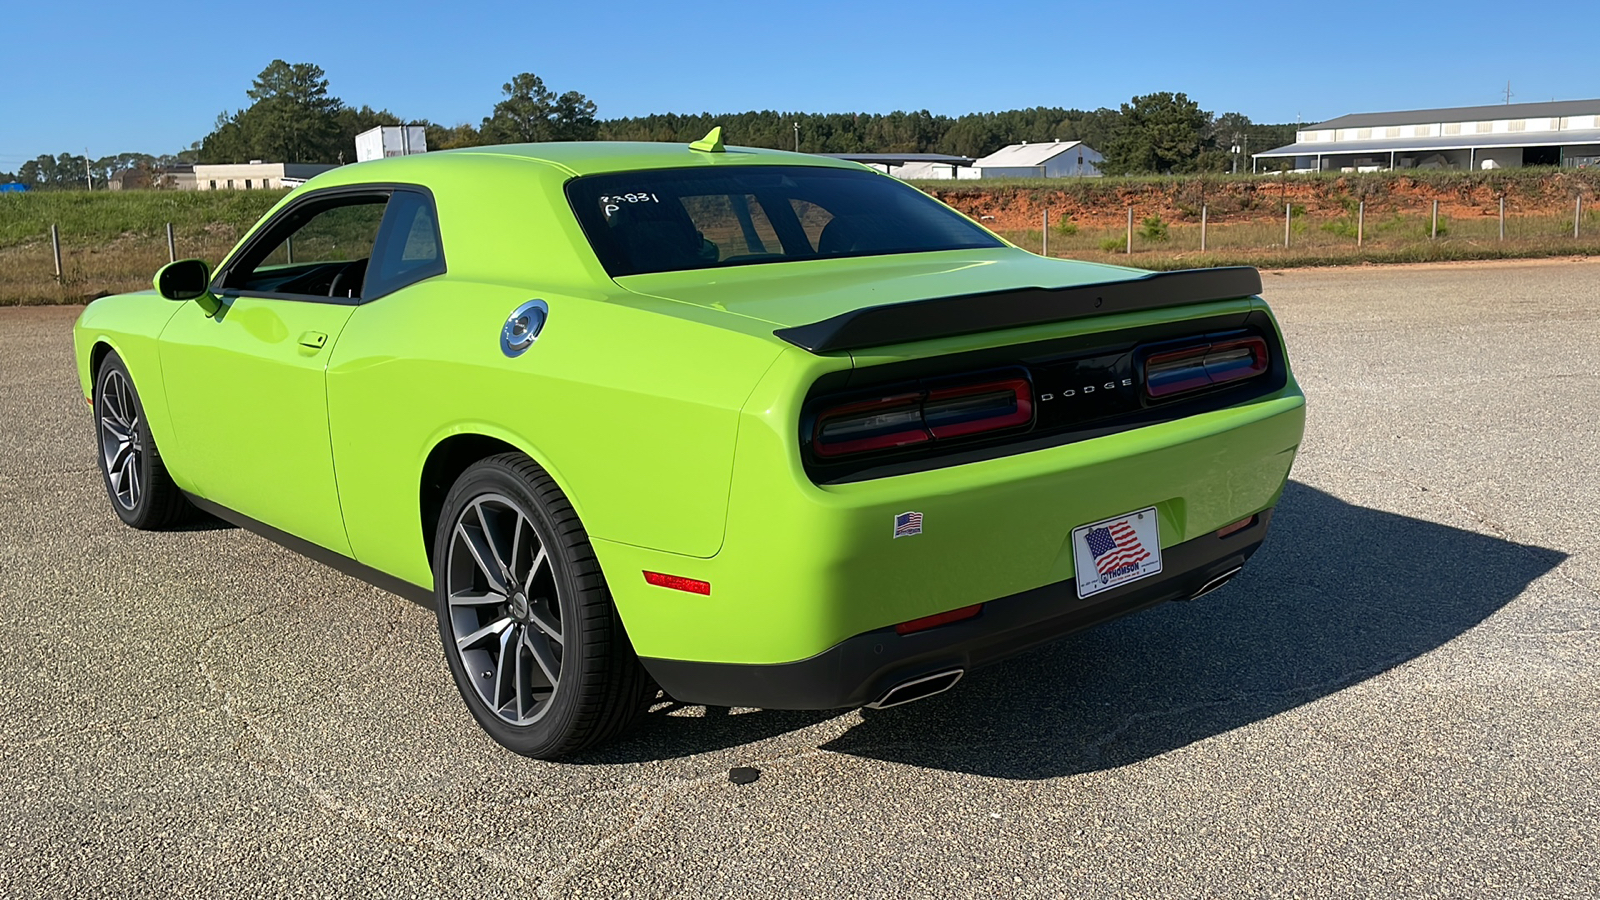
(872, 425)
(1204, 366)
(973, 409)
(914, 418)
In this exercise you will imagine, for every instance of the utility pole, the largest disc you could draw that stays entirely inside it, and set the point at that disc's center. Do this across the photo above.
(1509, 95)
(86, 173)
(797, 137)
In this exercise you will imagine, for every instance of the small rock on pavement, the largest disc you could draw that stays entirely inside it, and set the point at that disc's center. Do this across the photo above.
(743, 774)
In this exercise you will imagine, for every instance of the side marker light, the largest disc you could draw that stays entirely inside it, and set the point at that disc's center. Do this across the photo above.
(678, 583)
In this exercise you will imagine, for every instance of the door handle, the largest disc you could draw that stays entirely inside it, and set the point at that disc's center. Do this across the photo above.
(313, 339)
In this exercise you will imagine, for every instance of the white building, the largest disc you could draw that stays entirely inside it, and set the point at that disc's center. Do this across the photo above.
(1051, 159)
(253, 175)
(1559, 133)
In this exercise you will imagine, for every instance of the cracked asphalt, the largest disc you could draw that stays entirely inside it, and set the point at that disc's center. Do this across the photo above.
(1399, 697)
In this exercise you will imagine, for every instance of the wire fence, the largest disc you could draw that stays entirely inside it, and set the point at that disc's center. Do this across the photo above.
(1295, 235)
(60, 267)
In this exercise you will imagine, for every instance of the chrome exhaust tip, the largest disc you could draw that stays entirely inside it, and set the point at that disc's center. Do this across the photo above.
(1216, 582)
(918, 688)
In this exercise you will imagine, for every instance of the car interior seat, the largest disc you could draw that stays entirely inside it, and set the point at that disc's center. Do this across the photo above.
(654, 240)
(854, 234)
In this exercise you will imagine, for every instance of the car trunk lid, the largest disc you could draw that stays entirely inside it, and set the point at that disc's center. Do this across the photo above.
(847, 304)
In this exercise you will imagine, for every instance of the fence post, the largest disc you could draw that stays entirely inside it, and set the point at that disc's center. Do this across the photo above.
(1361, 222)
(1577, 216)
(1502, 217)
(1044, 235)
(1435, 235)
(55, 248)
(172, 246)
(1130, 229)
(1288, 208)
(1202, 228)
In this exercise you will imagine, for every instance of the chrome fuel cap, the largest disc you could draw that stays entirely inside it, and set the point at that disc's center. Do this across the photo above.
(523, 327)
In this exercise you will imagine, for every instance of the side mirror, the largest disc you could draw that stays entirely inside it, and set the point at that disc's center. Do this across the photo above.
(187, 279)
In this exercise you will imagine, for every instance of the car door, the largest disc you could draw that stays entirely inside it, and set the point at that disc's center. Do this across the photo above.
(247, 387)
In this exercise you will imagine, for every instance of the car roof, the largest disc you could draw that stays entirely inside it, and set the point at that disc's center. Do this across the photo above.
(581, 158)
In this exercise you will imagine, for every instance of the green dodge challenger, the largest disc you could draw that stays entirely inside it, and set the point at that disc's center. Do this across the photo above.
(752, 428)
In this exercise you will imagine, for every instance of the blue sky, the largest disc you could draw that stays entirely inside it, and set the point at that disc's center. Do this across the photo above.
(152, 79)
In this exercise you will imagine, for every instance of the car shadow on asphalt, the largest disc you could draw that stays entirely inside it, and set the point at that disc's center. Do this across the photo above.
(1339, 593)
(200, 520)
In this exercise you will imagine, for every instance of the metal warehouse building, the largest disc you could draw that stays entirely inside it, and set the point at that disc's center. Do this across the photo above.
(1047, 159)
(1559, 133)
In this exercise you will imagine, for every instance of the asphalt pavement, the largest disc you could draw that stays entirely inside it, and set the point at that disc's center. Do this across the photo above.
(1400, 697)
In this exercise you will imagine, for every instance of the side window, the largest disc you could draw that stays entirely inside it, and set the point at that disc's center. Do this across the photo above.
(409, 248)
(318, 250)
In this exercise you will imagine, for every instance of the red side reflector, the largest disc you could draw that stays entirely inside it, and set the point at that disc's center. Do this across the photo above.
(678, 583)
(1240, 525)
(944, 618)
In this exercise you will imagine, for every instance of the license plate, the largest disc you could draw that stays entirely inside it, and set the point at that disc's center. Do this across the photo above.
(1112, 552)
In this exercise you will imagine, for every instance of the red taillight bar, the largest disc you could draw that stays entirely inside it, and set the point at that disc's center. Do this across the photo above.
(1204, 365)
(914, 418)
(900, 409)
(947, 401)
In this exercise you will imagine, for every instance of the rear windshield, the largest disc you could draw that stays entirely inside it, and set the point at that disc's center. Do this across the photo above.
(668, 220)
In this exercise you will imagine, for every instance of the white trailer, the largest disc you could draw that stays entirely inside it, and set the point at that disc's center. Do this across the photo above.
(390, 140)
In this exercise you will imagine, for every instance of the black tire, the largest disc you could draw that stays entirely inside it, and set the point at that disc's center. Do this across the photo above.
(504, 675)
(141, 492)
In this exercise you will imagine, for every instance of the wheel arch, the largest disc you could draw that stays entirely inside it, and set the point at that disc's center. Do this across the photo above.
(97, 355)
(453, 454)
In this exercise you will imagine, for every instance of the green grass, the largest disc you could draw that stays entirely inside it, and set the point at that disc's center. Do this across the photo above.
(86, 218)
(113, 241)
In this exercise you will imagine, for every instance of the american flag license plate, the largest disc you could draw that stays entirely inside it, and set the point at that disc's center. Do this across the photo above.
(1115, 551)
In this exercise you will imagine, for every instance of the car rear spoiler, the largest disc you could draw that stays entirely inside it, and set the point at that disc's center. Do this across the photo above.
(921, 320)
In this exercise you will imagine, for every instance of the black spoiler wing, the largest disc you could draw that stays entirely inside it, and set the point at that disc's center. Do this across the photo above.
(921, 320)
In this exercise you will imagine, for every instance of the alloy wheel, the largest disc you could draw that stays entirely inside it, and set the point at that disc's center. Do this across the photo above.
(121, 446)
(504, 608)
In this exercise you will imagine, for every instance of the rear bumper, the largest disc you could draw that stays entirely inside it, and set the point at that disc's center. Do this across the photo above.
(863, 668)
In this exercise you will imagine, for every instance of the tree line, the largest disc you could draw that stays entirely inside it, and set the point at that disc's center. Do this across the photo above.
(292, 117)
